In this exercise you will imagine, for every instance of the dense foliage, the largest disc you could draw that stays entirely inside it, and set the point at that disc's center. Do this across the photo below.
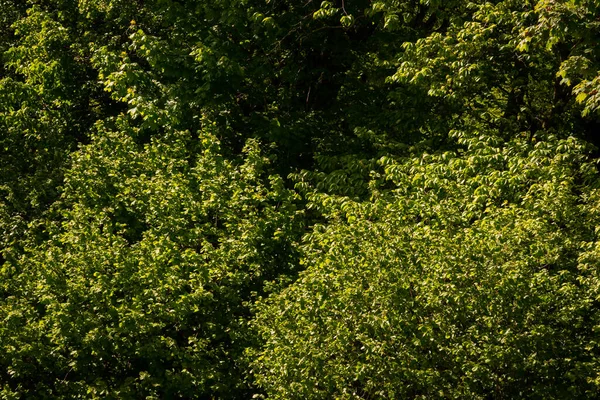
(349, 199)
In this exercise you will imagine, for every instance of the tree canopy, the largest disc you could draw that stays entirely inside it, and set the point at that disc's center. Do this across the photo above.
(345, 199)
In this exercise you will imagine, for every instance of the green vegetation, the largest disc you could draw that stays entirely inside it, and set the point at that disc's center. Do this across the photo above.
(299, 200)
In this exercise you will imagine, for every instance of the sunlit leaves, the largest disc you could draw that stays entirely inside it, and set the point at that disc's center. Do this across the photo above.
(455, 283)
(355, 199)
(158, 252)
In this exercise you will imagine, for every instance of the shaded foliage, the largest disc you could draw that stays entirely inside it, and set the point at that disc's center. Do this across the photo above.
(337, 199)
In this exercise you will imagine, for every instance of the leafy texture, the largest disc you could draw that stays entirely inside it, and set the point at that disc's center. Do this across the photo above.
(337, 199)
(464, 281)
(141, 289)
